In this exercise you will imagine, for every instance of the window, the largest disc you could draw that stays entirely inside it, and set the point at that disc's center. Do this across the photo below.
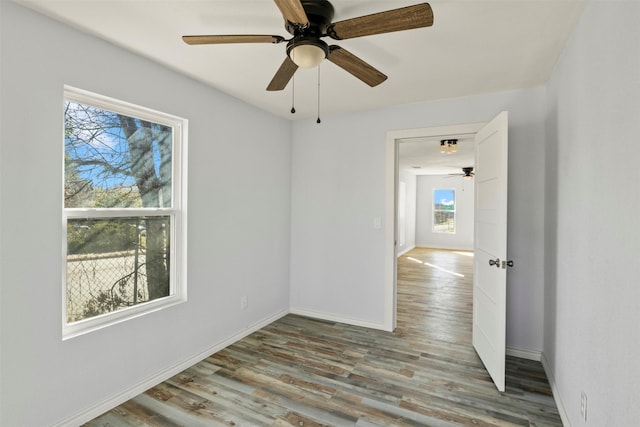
(123, 212)
(444, 211)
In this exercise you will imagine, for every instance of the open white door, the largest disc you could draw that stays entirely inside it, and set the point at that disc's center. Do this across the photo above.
(490, 246)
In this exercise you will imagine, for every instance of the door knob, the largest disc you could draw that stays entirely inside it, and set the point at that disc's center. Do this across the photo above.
(495, 262)
(506, 264)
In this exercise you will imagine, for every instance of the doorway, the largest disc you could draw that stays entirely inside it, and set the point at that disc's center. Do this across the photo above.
(489, 238)
(394, 139)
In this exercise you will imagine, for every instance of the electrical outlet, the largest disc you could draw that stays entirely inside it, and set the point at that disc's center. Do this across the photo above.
(244, 302)
(583, 406)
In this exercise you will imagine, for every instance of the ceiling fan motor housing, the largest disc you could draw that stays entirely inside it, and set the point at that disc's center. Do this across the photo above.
(319, 13)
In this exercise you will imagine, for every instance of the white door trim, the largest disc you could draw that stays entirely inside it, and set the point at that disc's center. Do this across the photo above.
(391, 190)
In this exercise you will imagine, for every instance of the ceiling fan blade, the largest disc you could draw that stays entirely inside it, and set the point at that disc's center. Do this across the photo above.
(405, 18)
(239, 38)
(283, 75)
(356, 66)
(292, 11)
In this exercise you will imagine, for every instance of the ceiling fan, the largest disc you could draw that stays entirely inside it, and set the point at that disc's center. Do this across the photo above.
(308, 21)
(467, 173)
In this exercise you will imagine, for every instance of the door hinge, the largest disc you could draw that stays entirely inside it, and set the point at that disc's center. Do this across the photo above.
(506, 264)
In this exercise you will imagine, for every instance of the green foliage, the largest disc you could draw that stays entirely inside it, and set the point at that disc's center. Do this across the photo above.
(105, 302)
(116, 298)
(101, 236)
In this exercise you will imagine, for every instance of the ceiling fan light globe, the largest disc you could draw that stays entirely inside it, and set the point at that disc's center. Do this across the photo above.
(307, 55)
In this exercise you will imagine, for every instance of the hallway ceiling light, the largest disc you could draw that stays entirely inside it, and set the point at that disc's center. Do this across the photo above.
(448, 146)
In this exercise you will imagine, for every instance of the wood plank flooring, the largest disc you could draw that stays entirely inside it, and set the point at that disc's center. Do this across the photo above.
(304, 372)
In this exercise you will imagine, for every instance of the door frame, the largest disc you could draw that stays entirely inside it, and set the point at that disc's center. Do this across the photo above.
(391, 206)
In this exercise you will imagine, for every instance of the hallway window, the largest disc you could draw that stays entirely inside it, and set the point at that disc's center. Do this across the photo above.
(123, 211)
(444, 211)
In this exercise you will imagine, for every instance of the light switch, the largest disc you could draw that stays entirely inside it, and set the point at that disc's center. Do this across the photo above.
(377, 223)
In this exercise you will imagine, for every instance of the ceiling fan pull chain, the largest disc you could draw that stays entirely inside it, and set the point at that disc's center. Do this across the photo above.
(293, 95)
(318, 121)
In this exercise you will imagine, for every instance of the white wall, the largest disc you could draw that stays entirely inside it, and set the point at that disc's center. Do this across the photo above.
(239, 215)
(409, 241)
(425, 236)
(339, 188)
(592, 316)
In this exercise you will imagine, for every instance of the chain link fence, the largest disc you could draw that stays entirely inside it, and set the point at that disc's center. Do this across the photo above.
(102, 283)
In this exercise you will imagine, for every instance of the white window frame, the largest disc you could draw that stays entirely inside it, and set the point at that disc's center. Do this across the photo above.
(434, 210)
(177, 212)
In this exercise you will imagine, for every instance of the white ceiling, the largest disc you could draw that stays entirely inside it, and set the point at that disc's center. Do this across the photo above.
(474, 46)
(422, 156)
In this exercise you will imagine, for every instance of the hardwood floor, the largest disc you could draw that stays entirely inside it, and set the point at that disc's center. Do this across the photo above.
(304, 372)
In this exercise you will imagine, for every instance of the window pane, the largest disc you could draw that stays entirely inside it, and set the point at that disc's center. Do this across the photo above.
(444, 207)
(115, 161)
(116, 263)
(444, 222)
(444, 199)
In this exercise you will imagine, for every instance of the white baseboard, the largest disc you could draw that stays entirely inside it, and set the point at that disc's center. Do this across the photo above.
(524, 354)
(555, 391)
(141, 387)
(333, 318)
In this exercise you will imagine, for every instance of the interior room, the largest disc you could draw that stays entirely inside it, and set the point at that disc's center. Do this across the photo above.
(425, 164)
(294, 215)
